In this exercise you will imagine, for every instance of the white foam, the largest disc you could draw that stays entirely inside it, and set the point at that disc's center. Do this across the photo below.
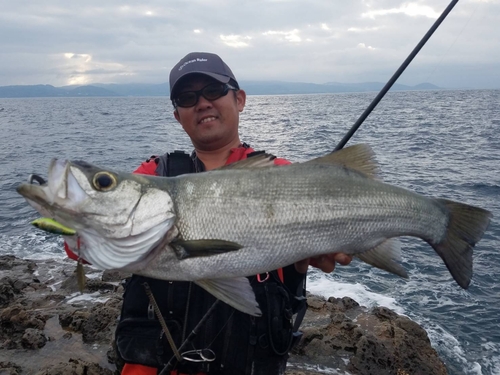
(321, 285)
(321, 369)
(491, 362)
(78, 297)
(33, 245)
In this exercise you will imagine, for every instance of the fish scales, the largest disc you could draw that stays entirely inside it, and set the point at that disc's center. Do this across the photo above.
(271, 226)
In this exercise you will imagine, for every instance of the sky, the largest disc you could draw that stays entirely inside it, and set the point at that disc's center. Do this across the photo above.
(60, 42)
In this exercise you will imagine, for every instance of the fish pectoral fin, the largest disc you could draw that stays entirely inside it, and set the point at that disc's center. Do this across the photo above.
(236, 292)
(257, 161)
(203, 248)
(360, 158)
(384, 255)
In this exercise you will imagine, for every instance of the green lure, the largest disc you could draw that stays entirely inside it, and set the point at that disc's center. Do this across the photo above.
(52, 226)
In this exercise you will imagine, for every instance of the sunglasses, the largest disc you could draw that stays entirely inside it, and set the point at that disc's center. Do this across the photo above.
(213, 91)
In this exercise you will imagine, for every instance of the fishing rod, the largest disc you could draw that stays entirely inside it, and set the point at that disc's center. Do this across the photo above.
(396, 75)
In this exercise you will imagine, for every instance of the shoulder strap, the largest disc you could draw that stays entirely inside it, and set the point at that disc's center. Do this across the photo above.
(174, 164)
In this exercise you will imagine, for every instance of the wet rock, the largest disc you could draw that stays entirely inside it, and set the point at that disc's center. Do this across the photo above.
(74, 320)
(75, 367)
(38, 326)
(7, 291)
(101, 322)
(33, 339)
(362, 341)
(9, 368)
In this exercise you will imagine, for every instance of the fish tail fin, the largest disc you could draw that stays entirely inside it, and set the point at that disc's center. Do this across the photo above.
(465, 228)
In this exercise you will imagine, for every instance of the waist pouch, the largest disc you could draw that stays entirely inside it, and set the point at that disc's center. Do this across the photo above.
(148, 345)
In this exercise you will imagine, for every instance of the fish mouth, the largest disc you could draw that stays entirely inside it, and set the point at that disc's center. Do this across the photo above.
(60, 192)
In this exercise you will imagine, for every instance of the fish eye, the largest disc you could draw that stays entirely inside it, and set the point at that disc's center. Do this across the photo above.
(104, 181)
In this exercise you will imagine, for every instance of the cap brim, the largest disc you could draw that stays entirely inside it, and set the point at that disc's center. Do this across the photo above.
(218, 77)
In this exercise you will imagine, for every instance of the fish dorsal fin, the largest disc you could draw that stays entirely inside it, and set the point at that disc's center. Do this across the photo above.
(360, 158)
(257, 161)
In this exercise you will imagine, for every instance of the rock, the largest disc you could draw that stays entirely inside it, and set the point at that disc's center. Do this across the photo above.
(75, 367)
(362, 341)
(38, 329)
(7, 291)
(9, 368)
(100, 325)
(33, 339)
(74, 320)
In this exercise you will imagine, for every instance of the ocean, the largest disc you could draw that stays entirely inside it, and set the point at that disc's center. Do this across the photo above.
(437, 143)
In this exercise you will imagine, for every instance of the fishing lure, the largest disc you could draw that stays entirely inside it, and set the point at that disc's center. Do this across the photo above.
(52, 226)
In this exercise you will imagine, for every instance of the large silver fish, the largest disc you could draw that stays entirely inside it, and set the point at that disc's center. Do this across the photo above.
(216, 227)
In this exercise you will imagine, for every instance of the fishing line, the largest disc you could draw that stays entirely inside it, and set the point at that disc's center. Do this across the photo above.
(439, 64)
(396, 75)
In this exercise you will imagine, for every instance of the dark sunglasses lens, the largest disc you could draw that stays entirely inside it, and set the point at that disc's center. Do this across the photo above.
(210, 92)
(186, 99)
(214, 91)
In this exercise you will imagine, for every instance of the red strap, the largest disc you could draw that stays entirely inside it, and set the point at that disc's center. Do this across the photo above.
(71, 254)
(280, 274)
(133, 369)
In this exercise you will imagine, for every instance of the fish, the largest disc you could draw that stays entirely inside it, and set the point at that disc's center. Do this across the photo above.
(247, 218)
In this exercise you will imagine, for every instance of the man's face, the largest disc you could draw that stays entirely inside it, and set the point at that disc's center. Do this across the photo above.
(210, 124)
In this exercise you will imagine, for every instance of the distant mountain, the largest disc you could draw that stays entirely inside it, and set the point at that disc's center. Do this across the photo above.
(137, 89)
(251, 88)
(51, 91)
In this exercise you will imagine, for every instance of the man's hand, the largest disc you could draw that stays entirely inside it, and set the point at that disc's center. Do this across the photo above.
(325, 263)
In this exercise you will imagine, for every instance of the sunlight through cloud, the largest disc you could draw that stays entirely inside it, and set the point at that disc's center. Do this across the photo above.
(364, 46)
(81, 69)
(409, 9)
(362, 30)
(236, 41)
(290, 36)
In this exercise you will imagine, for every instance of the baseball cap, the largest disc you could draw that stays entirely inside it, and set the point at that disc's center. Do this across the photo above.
(200, 62)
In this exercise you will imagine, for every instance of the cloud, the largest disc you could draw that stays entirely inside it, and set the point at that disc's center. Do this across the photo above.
(318, 41)
(286, 36)
(409, 9)
(236, 41)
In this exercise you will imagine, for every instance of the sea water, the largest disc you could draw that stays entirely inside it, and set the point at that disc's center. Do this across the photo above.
(437, 143)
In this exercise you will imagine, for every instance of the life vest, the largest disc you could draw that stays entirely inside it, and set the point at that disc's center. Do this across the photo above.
(242, 344)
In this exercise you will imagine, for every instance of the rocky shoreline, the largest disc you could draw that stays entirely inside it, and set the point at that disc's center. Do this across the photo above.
(47, 327)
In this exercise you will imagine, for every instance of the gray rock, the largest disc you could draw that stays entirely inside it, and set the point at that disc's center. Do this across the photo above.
(33, 339)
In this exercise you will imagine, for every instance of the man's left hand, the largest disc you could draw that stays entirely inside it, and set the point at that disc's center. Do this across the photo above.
(325, 263)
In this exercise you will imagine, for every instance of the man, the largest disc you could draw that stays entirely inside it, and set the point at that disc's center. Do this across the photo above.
(207, 101)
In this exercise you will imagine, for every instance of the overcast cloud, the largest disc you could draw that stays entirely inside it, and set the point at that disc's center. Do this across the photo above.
(112, 41)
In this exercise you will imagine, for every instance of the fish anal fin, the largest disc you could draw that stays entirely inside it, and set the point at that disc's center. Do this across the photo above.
(384, 256)
(200, 248)
(360, 158)
(236, 292)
